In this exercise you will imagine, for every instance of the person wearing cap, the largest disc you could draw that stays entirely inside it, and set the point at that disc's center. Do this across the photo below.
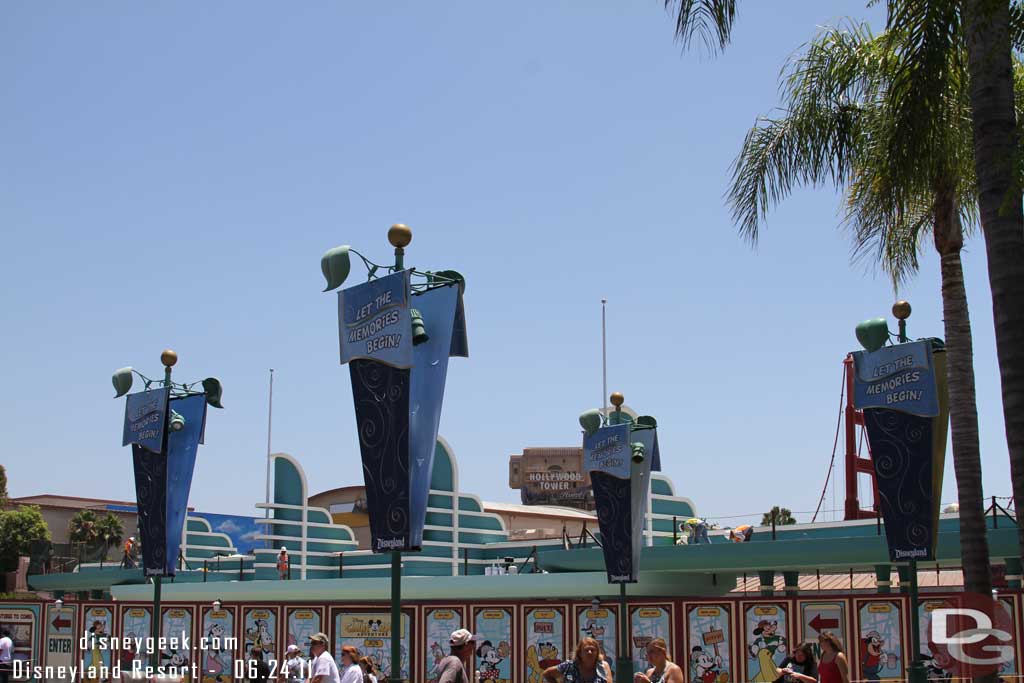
(294, 665)
(452, 669)
(322, 668)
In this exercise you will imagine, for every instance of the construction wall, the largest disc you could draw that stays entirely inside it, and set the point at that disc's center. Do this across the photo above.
(714, 640)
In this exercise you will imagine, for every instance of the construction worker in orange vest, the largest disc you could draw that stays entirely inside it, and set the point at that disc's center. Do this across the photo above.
(128, 561)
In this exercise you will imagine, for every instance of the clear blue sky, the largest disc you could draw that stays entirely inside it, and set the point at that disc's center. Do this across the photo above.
(171, 173)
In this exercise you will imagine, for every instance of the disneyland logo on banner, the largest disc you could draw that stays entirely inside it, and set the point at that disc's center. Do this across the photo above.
(973, 631)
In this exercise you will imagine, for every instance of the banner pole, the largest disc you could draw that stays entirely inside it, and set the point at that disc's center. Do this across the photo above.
(154, 656)
(915, 672)
(624, 663)
(396, 617)
(158, 580)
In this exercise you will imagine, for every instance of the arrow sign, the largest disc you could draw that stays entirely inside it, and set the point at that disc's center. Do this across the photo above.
(61, 623)
(818, 623)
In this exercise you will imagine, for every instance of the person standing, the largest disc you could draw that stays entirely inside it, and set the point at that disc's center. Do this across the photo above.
(294, 665)
(282, 564)
(663, 670)
(369, 670)
(452, 669)
(799, 667)
(6, 656)
(322, 668)
(259, 670)
(833, 667)
(128, 561)
(586, 666)
(351, 672)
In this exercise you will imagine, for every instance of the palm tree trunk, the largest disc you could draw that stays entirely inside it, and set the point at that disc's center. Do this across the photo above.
(987, 31)
(963, 409)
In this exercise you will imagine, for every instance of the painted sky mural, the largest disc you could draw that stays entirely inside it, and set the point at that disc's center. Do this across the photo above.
(241, 529)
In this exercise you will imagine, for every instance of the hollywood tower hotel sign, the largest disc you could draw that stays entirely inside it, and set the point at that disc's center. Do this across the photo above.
(551, 476)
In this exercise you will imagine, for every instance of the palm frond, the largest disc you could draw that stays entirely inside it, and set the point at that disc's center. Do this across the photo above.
(709, 20)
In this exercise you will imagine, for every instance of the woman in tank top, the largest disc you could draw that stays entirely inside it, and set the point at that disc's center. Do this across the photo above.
(662, 670)
(833, 666)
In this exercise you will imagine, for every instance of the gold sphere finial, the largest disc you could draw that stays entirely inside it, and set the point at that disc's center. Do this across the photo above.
(901, 309)
(399, 235)
(168, 358)
(617, 398)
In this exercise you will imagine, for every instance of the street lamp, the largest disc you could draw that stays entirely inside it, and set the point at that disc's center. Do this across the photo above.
(58, 603)
(164, 423)
(216, 605)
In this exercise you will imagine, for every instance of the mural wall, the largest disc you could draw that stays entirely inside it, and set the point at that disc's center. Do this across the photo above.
(709, 634)
(717, 640)
(544, 639)
(601, 625)
(219, 647)
(766, 640)
(438, 625)
(493, 627)
(647, 623)
(879, 645)
(370, 633)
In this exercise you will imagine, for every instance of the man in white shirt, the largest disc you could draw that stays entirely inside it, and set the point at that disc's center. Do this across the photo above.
(322, 668)
(6, 656)
(351, 672)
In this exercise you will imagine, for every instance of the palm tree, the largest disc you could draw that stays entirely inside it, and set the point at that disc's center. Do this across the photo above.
(83, 527)
(109, 531)
(837, 128)
(930, 30)
(988, 31)
(996, 140)
(782, 516)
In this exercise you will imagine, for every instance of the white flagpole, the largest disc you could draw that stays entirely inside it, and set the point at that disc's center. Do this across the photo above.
(604, 360)
(270, 418)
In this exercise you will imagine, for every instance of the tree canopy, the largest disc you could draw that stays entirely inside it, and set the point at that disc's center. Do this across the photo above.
(19, 529)
(782, 515)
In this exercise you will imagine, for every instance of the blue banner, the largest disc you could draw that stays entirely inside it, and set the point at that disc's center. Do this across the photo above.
(621, 490)
(901, 449)
(900, 377)
(380, 396)
(902, 391)
(440, 309)
(375, 323)
(398, 413)
(182, 446)
(151, 500)
(162, 484)
(145, 415)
